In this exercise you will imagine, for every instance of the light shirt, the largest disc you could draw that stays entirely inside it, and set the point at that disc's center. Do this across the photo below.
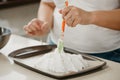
(87, 38)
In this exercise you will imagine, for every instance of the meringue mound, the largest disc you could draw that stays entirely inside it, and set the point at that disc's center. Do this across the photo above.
(61, 62)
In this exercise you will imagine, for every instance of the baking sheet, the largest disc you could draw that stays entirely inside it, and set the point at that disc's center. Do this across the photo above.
(28, 62)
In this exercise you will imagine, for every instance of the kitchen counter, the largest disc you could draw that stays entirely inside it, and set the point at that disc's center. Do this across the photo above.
(11, 71)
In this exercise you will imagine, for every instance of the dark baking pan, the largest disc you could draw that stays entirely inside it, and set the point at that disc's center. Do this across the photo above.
(27, 56)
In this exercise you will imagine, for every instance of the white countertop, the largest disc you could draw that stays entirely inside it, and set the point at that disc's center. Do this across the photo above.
(9, 71)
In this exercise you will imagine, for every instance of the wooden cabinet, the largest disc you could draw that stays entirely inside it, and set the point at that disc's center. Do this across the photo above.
(13, 3)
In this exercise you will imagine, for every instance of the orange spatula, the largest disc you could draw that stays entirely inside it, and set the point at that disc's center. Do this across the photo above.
(60, 44)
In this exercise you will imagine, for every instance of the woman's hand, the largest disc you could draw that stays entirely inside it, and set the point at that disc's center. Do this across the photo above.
(74, 16)
(37, 27)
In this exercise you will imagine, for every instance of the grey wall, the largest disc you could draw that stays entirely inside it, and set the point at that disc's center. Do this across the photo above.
(15, 18)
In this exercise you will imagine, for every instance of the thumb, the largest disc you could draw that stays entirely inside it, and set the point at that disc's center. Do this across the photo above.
(44, 26)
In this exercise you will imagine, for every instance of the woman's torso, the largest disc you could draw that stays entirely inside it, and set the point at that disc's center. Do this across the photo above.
(88, 38)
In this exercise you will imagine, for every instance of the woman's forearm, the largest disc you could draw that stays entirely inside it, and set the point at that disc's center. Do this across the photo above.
(45, 12)
(108, 19)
